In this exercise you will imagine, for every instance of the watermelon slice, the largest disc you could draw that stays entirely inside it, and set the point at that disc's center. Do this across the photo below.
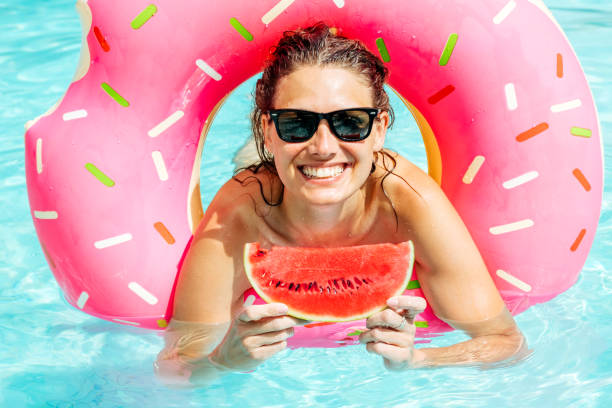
(330, 284)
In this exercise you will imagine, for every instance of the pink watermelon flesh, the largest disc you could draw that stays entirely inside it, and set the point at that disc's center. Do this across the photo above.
(330, 284)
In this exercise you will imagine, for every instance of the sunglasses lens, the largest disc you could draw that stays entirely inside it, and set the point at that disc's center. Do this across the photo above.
(351, 124)
(294, 126)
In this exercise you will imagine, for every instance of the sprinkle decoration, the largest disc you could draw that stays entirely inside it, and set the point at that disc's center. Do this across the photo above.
(448, 49)
(382, 49)
(241, 29)
(103, 178)
(534, 131)
(441, 94)
(144, 16)
(578, 240)
(101, 39)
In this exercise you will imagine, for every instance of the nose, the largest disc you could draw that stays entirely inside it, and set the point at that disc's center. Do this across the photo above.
(323, 143)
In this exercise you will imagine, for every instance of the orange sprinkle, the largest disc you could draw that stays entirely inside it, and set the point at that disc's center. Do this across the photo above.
(528, 134)
(163, 231)
(101, 39)
(559, 65)
(585, 183)
(311, 325)
(441, 94)
(578, 240)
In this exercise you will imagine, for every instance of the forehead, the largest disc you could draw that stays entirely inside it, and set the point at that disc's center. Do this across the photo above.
(322, 89)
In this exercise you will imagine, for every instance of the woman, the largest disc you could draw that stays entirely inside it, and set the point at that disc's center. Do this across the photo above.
(325, 180)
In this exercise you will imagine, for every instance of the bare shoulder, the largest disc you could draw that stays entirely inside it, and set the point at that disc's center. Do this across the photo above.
(241, 201)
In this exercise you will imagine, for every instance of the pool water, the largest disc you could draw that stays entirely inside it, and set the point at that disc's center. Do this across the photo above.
(52, 355)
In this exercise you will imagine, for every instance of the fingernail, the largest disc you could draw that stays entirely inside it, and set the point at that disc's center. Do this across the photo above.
(283, 308)
(393, 302)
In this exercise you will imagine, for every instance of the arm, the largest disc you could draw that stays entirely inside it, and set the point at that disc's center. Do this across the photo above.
(211, 331)
(455, 281)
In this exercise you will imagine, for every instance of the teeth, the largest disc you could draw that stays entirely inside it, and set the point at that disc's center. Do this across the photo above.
(322, 172)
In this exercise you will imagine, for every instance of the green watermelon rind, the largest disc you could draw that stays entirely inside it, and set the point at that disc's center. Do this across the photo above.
(327, 318)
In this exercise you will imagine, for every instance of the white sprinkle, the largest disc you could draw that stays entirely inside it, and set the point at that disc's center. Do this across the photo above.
(339, 3)
(166, 123)
(82, 299)
(116, 240)
(473, 169)
(39, 164)
(249, 301)
(511, 101)
(142, 293)
(522, 179)
(276, 11)
(514, 226)
(45, 215)
(208, 70)
(160, 166)
(77, 114)
(126, 322)
(561, 107)
(513, 280)
(504, 12)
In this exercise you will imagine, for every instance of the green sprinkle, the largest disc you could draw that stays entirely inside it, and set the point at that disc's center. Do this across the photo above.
(421, 324)
(355, 333)
(382, 49)
(144, 16)
(241, 29)
(162, 323)
(448, 50)
(113, 94)
(413, 284)
(104, 179)
(577, 131)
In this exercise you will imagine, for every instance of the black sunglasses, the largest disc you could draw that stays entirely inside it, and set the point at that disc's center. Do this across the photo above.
(349, 125)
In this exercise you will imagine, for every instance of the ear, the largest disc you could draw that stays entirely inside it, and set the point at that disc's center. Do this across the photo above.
(267, 127)
(380, 130)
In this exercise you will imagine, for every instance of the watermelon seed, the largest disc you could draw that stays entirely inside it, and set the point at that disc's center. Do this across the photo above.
(310, 285)
(291, 286)
(278, 284)
(336, 284)
(260, 252)
(349, 283)
(344, 283)
(357, 281)
(297, 287)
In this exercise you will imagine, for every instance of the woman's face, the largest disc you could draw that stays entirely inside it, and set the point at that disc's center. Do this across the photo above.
(323, 170)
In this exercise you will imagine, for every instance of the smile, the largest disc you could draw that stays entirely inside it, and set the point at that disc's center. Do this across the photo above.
(322, 172)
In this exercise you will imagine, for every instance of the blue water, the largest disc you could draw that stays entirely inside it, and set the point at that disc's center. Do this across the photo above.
(53, 355)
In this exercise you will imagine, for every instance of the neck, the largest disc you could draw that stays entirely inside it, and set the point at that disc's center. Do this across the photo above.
(339, 224)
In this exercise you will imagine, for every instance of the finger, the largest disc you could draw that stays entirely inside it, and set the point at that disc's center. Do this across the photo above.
(258, 312)
(266, 325)
(387, 318)
(388, 351)
(388, 336)
(265, 352)
(408, 306)
(265, 339)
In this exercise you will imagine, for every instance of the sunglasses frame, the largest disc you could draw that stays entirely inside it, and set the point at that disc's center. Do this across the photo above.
(372, 114)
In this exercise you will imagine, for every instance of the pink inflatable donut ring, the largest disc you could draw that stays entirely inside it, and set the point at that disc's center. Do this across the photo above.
(508, 120)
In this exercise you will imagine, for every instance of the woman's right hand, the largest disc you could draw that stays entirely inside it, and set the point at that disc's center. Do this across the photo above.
(259, 332)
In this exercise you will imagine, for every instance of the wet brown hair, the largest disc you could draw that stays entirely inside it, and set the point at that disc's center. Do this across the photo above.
(317, 45)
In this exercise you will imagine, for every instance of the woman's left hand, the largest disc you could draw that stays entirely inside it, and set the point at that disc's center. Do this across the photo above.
(391, 332)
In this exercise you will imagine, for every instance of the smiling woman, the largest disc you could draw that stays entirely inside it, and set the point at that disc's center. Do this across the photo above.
(320, 122)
